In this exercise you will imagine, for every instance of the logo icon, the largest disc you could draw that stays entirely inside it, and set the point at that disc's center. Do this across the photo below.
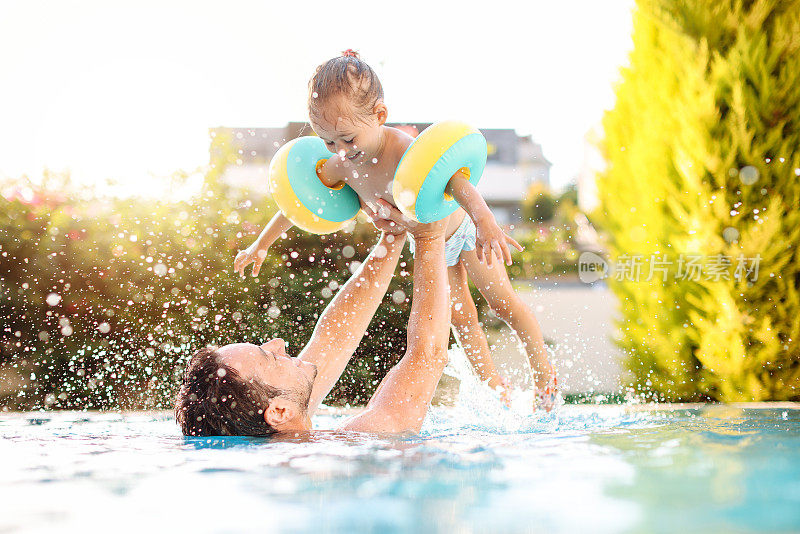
(592, 267)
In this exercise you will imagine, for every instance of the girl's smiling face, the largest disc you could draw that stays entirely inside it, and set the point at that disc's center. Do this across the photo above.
(348, 133)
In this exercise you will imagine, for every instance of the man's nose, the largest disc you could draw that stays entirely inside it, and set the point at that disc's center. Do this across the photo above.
(276, 345)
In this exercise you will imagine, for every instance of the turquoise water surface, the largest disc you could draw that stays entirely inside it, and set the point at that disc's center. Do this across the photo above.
(586, 469)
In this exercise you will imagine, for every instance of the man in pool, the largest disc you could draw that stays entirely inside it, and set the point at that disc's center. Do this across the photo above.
(246, 389)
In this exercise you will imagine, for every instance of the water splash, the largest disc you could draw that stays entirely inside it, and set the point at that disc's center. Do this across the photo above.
(479, 407)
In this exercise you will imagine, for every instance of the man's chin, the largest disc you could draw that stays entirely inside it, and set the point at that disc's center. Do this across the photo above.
(310, 371)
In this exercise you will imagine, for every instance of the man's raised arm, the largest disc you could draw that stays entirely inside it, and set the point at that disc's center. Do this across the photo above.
(345, 320)
(402, 399)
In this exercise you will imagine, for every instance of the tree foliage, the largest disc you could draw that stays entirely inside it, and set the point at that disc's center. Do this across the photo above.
(539, 205)
(703, 152)
(103, 300)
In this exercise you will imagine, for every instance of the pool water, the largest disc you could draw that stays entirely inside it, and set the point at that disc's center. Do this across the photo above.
(584, 469)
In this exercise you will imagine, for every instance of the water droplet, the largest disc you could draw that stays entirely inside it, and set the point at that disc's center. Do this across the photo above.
(406, 197)
(53, 299)
(748, 175)
(730, 234)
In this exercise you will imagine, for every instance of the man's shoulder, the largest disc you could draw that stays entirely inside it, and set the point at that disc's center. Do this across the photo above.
(384, 418)
(367, 420)
(363, 420)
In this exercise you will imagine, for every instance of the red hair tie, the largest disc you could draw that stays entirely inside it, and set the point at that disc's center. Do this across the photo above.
(350, 53)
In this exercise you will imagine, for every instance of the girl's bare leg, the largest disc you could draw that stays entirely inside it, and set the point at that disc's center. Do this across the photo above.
(494, 285)
(464, 318)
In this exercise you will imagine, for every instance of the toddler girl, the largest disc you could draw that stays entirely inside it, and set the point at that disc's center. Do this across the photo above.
(347, 111)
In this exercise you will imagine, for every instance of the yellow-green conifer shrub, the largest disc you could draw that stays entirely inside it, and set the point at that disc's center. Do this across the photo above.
(703, 152)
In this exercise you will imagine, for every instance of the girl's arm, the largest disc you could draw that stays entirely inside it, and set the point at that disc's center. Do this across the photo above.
(490, 237)
(256, 252)
(272, 231)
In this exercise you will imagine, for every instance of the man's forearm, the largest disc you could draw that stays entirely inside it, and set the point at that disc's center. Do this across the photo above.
(345, 320)
(357, 301)
(428, 325)
(402, 398)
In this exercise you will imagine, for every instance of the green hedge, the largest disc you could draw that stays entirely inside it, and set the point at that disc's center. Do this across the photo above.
(136, 286)
(703, 151)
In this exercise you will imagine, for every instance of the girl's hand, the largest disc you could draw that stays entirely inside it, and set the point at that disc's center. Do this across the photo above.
(491, 238)
(250, 255)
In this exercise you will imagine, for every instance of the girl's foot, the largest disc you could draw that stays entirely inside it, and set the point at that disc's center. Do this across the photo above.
(505, 391)
(547, 394)
(502, 386)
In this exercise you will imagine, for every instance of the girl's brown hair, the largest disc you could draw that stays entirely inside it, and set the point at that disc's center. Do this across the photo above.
(346, 75)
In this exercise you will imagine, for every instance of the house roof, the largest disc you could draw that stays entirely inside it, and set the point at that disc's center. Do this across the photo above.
(258, 145)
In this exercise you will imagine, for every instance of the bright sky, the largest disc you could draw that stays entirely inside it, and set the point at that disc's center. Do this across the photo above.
(127, 90)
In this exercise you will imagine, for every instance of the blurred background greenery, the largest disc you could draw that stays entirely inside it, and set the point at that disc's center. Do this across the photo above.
(104, 299)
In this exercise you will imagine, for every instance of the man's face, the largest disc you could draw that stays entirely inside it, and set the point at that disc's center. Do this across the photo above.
(269, 364)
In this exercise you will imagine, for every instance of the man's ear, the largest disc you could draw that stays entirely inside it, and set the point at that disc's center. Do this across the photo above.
(280, 412)
(382, 112)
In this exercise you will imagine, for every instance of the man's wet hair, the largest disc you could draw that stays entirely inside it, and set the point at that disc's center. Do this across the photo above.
(214, 400)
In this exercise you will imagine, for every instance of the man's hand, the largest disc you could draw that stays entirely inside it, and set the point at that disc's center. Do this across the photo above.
(431, 230)
(491, 238)
(388, 212)
(386, 217)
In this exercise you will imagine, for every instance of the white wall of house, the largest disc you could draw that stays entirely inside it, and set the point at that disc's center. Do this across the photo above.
(251, 176)
(592, 164)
